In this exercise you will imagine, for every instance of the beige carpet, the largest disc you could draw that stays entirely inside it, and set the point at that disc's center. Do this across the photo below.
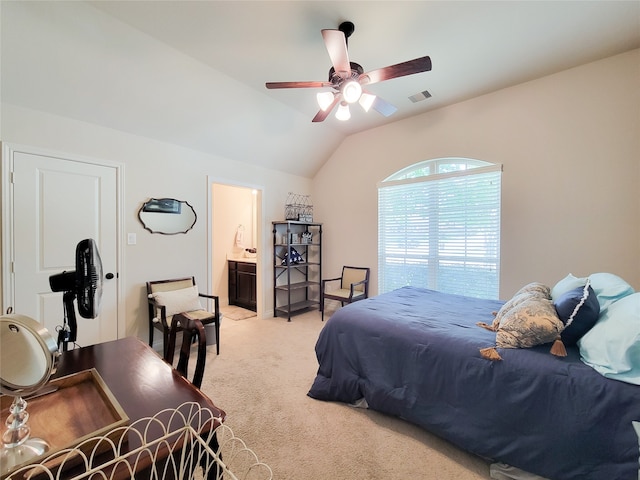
(261, 379)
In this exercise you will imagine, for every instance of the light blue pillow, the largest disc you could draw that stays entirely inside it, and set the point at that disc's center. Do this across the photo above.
(609, 288)
(612, 346)
(567, 284)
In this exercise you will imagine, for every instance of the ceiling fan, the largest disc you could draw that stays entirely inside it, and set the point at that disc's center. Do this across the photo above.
(347, 79)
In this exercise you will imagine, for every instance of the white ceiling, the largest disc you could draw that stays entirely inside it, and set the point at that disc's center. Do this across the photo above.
(193, 73)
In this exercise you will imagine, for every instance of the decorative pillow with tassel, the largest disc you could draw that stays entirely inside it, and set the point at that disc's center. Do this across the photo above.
(531, 290)
(527, 320)
(579, 310)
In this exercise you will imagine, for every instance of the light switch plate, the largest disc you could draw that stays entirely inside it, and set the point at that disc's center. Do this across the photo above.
(131, 239)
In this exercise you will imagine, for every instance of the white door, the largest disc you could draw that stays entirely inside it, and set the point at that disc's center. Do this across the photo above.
(57, 203)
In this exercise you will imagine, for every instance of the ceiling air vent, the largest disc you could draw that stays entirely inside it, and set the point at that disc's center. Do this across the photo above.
(420, 96)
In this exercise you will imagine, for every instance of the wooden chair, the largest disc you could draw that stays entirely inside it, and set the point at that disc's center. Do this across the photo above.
(167, 298)
(354, 286)
(192, 332)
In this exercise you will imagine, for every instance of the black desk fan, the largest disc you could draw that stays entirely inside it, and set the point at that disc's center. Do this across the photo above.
(85, 283)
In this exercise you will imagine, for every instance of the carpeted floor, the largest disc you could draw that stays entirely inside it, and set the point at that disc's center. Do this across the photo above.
(261, 379)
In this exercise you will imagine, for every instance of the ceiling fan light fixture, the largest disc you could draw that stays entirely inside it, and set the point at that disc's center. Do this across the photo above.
(325, 99)
(351, 91)
(343, 112)
(366, 101)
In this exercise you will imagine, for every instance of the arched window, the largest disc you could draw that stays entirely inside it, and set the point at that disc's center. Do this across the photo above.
(439, 227)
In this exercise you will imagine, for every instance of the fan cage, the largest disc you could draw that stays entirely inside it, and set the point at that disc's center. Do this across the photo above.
(186, 449)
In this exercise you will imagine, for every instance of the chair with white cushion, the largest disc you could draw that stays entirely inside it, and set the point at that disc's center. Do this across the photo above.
(354, 286)
(168, 298)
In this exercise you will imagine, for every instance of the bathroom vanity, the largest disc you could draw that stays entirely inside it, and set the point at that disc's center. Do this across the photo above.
(242, 283)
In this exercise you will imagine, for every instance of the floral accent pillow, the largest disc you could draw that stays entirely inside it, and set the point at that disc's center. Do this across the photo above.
(531, 290)
(532, 322)
(527, 320)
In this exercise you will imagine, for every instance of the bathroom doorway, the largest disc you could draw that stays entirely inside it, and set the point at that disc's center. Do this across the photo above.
(235, 239)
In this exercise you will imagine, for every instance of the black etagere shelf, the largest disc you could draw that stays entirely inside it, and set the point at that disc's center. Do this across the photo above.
(297, 273)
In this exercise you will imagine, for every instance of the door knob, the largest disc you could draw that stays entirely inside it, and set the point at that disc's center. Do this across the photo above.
(109, 276)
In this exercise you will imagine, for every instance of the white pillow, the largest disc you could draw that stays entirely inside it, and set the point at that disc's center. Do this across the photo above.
(178, 301)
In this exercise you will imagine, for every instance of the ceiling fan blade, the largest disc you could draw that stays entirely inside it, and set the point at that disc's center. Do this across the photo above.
(383, 107)
(272, 85)
(322, 114)
(336, 44)
(417, 65)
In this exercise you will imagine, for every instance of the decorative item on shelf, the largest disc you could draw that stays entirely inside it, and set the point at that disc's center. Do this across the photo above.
(298, 207)
(294, 259)
(295, 238)
(307, 237)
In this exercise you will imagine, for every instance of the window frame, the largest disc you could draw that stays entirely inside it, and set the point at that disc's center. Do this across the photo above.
(449, 173)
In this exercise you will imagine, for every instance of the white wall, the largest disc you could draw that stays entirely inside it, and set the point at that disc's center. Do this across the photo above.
(156, 169)
(570, 146)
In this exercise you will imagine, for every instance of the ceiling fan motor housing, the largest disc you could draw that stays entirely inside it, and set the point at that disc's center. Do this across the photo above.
(337, 80)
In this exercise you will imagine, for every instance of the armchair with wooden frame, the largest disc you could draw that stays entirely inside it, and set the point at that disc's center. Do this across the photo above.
(179, 296)
(354, 286)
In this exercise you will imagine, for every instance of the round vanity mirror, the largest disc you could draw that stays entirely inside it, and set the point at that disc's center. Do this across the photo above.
(167, 216)
(27, 355)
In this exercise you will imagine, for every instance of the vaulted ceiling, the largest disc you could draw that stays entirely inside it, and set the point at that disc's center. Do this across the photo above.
(194, 73)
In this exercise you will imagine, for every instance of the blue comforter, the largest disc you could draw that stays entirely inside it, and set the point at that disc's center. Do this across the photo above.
(414, 353)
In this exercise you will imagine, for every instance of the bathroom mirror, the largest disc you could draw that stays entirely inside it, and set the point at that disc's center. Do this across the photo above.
(167, 216)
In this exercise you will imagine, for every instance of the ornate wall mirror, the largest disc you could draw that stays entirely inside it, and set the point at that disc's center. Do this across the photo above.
(167, 216)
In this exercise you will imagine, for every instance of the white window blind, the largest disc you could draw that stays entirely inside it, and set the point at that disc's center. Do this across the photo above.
(441, 231)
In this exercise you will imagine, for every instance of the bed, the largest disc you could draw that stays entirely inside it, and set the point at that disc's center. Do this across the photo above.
(415, 354)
